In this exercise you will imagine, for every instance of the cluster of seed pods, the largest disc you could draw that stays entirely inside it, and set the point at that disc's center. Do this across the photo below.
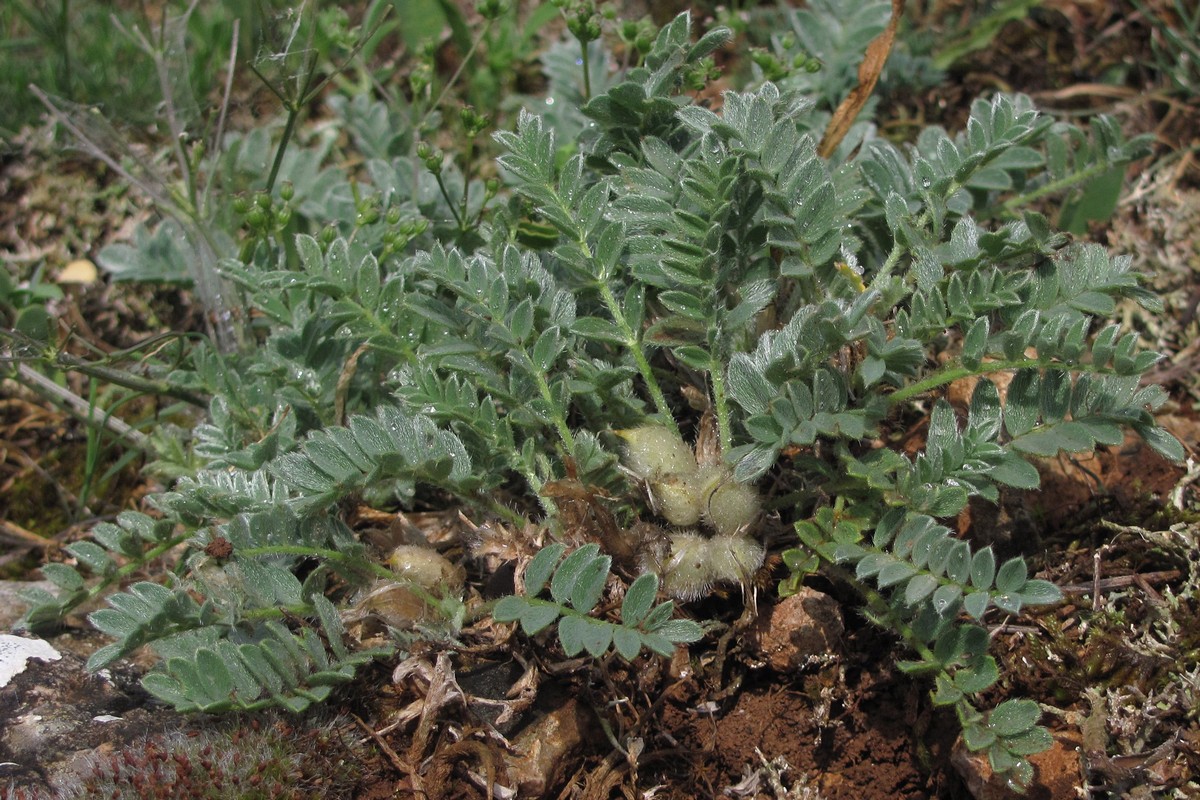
(710, 511)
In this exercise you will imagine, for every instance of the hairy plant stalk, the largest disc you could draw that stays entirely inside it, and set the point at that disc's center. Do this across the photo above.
(336, 556)
(634, 345)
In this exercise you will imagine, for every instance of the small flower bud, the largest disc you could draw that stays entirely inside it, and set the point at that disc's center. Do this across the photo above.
(491, 9)
(421, 77)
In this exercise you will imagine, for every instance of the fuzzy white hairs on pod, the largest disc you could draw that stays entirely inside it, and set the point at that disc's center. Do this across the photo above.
(686, 494)
(710, 494)
(674, 497)
(731, 506)
(734, 559)
(694, 564)
(653, 450)
(686, 572)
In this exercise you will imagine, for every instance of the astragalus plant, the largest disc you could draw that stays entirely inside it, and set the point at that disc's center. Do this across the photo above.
(686, 265)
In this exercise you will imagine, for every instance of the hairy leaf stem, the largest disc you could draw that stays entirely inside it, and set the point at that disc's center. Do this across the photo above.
(633, 344)
(1052, 187)
(117, 576)
(559, 420)
(951, 374)
(128, 380)
(721, 403)
(354, 562)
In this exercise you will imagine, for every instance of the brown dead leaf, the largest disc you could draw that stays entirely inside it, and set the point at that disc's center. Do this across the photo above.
(708, 442)
(868, 75)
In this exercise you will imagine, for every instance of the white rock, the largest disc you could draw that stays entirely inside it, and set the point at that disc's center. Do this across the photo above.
(16, 650)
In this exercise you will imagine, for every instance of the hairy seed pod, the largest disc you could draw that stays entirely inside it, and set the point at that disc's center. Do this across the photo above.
(731, 507)
(686, 572)
(426, 568)
(675, 497)
(422, 575)
(654, 450)
(734, 559)
(707, 480)
(393, 604)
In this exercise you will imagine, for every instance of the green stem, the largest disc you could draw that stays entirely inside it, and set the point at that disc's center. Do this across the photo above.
(721, 401)
(466, 195)
(276, 612)
(457, 73)
(504, 512)
(449, 202)
(632, 341)
(560, 422)
(362, 565)
(920, 222)
(134, 565)
(587, 72)
(633, 344)
(529, 473)
(1059, 185)
(289, 127)
(951, 374)
(308, 92)
(127, 380)
(954, 373)
(294, 108)
(889, 264)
